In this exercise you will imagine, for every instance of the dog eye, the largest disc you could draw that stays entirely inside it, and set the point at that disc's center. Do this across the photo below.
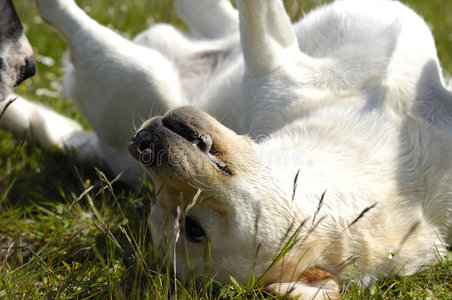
(193, 231)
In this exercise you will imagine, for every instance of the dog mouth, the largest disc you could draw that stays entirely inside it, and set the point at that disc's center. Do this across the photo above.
(179, 133)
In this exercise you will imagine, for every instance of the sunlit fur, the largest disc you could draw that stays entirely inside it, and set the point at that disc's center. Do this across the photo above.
(351, 98)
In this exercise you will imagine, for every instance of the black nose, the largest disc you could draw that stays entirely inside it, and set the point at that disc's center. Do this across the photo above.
(27, 70)
(140, 146)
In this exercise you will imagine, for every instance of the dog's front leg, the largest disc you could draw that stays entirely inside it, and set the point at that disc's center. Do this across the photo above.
(211, 18)
(49, 128)
(115, 82)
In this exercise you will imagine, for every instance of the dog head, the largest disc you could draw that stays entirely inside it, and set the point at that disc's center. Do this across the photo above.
(224, 211)
(16, 55)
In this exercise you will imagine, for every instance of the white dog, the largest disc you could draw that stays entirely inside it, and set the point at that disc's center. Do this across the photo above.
(350, 167)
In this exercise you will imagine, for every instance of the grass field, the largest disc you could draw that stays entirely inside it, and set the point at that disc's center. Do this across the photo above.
(57, 242)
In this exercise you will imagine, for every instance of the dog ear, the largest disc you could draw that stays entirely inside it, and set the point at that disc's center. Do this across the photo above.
(315, 283)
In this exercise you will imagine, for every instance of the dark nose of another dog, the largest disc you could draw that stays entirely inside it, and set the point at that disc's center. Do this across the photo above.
(140, 146)
(27, 70)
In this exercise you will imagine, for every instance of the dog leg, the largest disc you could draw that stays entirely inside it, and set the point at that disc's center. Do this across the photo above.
(313, 284)
(51, 129)
(48, 128)
(115, 82)
(268, 39)
(211, 18)
(275, 68)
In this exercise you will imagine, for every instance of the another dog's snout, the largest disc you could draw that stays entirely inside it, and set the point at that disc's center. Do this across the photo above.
(140, 146)
(30, 67)
(27, 70)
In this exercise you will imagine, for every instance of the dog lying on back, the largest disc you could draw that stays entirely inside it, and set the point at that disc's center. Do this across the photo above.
(347, 160)
(16, 55)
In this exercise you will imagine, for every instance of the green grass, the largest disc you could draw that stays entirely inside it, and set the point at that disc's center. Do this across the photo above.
(57, 242)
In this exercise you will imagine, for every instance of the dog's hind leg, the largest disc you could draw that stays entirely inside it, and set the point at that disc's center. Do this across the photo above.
(275, 68)
(267, 36)
(210, 18)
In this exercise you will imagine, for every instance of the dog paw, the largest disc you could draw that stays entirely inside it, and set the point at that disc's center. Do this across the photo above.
(314, 284)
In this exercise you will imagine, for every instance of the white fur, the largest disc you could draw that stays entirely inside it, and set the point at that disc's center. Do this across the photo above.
(352, 96)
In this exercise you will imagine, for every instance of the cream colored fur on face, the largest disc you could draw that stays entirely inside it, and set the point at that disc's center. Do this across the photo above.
(351, 98)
